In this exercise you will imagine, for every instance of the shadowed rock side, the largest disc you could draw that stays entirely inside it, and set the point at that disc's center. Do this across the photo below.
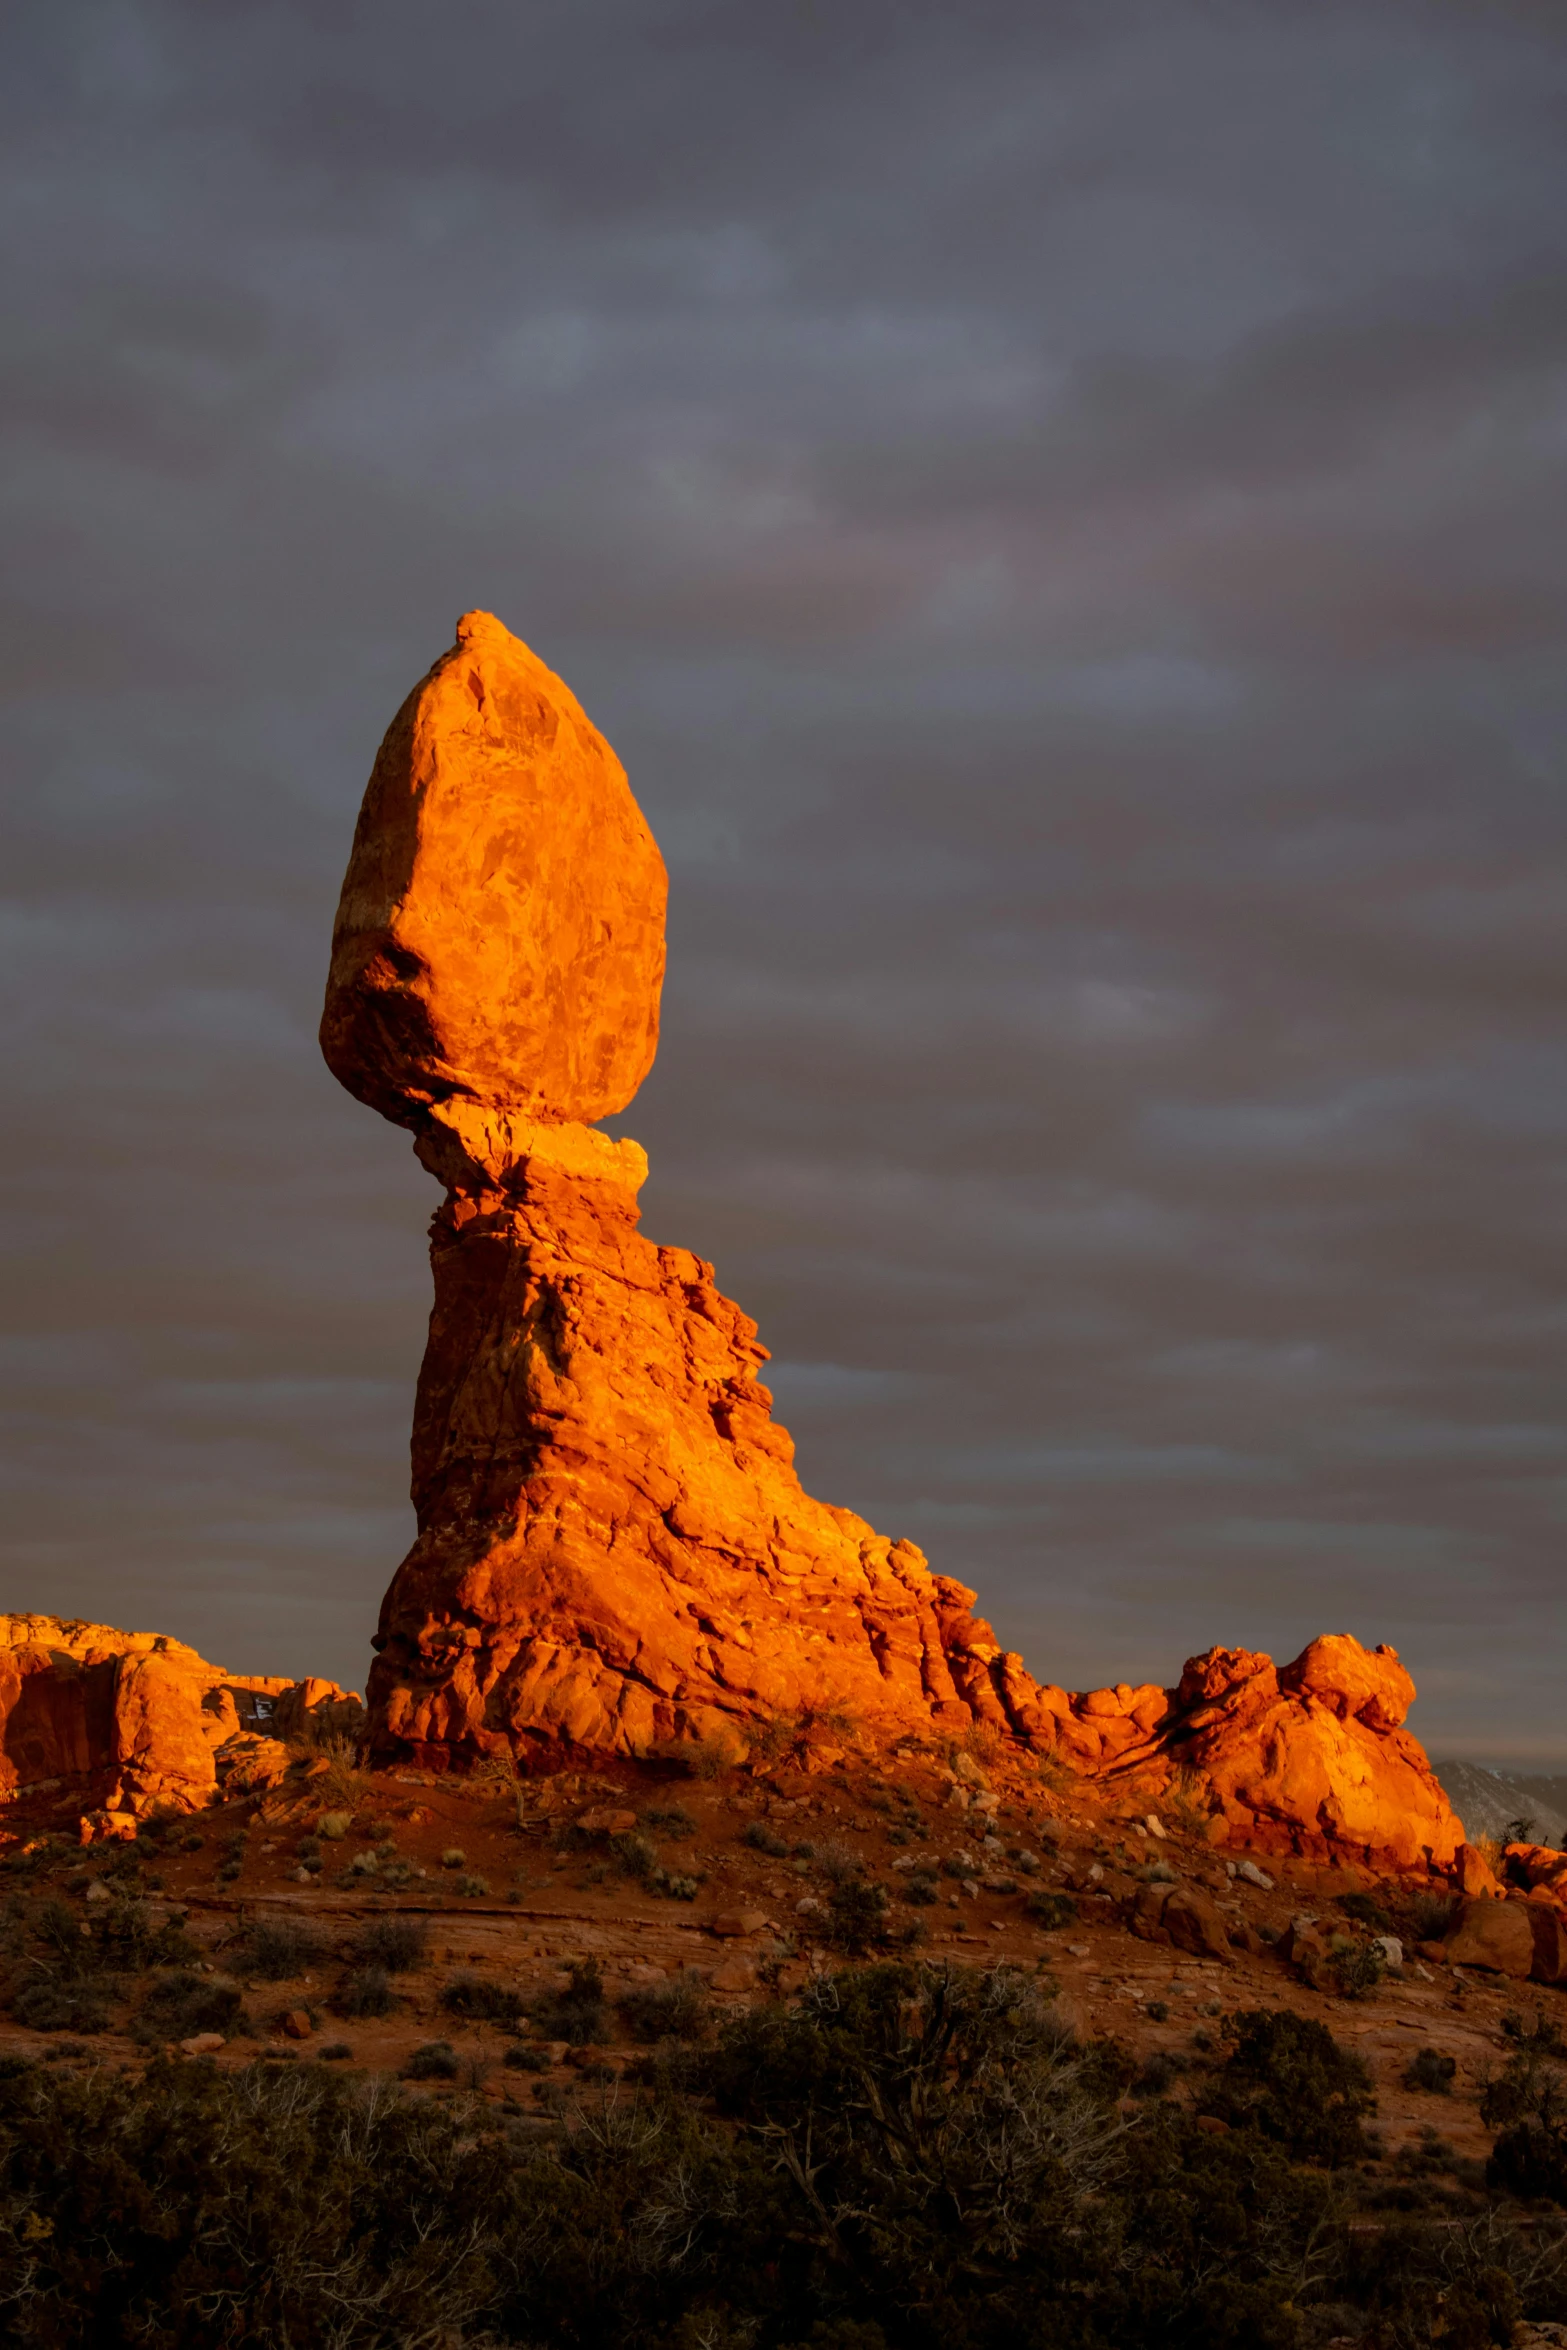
(130, 1723)
(614, 1551)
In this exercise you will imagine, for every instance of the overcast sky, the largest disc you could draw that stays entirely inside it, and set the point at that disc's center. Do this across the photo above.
(1061, 511)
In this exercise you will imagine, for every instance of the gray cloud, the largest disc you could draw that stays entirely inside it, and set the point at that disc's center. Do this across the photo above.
(1062, 514)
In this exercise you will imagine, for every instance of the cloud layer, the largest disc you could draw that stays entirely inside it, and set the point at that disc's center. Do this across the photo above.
(1062, 513)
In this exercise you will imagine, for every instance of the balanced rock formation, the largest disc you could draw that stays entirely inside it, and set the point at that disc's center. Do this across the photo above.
(130, 1723)
(500, 936)
(614, 1552)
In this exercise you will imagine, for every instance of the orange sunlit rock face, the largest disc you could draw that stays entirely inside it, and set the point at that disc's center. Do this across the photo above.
(500, 936)
(130, 1723)
(614, 1552)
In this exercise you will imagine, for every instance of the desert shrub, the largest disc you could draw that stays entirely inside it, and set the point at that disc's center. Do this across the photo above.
(921, 1890)
(1367, 1911)
(334, 1825)
(670, 1820)
(675, 1887)
(128, 1938)
(1287, 2078)
(678, 2009)
(1536, 2035)
(433, 2060)
(366, 1991)
(634, 1856)
(906, 2158)
(1158, 2074)
(523, 2059)
(453, 1857)
(577, 2013)
(184, 2003)
(856, 1914)
(397, 1944)
(762, 1838)
(477, 1996)
(1051, 1910)
(334, 2052)
(52, 2001)
(1529, 2158)
(838, 1864)
(1429, 2069)
(276, 1948)
(1356, 1967)
(471, 1888)
(959, 1865)
(1430, 1915)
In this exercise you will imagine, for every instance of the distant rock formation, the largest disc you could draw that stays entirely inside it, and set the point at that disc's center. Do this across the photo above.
(130, 1723)
(614, 1552)
(1310, 1757)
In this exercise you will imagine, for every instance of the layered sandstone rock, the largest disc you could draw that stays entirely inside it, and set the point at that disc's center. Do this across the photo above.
(133, 1722)
(613, 1548)
(500, 937)
(1309, 1757)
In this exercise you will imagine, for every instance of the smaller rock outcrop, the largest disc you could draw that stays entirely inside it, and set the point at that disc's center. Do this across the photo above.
(130, 1723)
(1310, 1757)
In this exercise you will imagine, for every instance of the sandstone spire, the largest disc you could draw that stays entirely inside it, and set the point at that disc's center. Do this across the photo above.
(614, 1551)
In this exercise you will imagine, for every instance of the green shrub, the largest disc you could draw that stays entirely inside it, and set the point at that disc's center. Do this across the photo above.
(524, 2059)
(52, 2001)
(396, 1943)
(433, 2060)
(367, 1991)
(1367, 1911)
(479, 1997)
(1429, 2069)
(277, 1948)
(921, 1890)
(1287, 2078)
(634, 1856)
(578, 2013)
(762, 1838)
(856, 1914)
(182, 2004)
(670, 1820)
(1051, 1910)
(453, 1857)
(678, 2009)
(471, 1888)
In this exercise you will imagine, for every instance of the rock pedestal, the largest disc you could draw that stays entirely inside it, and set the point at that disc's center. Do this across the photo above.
(614, 1553)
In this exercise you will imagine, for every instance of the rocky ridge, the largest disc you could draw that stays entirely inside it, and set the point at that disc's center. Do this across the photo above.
(132, 1724)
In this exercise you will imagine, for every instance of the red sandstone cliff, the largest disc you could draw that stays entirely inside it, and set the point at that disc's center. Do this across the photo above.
(129, 1723)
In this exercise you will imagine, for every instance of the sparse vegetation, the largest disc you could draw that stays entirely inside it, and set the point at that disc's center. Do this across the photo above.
(397, 1944)
(1430, 2070)
(577, 2014)
(679, 2009)
(478, 1997)
(901, 2158)
(276, 1948)
(435, 2060)
(367, 1991)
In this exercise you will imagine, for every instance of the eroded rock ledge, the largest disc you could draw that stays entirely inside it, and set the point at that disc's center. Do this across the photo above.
(124, 1724)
